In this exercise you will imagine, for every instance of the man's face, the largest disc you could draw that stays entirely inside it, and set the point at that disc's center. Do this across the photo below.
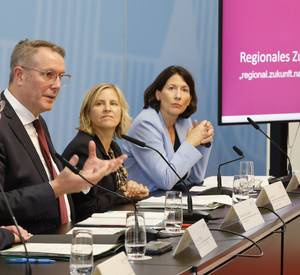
(35, 94)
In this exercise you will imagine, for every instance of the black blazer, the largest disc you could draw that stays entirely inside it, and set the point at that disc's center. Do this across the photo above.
(24, 178)
(7, 238)
(96, 200)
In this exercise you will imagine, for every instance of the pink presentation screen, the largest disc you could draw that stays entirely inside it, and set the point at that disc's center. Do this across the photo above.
(260, 60)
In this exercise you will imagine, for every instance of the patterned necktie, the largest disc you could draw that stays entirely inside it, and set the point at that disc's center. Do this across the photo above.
(46, 154)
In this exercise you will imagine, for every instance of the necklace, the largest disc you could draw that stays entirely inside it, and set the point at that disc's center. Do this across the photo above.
(121, 173)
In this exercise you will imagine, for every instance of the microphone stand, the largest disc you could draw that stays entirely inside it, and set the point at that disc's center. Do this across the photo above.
(290, 170)
(189, 215)
(222, 190)
(28, 266)
(76, 171)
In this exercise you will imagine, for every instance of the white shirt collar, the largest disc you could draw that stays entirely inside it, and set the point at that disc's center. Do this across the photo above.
(22, 112)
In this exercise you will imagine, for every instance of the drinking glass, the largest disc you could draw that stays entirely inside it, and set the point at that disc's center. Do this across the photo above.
(247, 169)
(240, 190)
(173, 211)
(81, 260)
(135, 236)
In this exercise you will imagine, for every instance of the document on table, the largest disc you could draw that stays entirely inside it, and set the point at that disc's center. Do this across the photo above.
(61, 250)
(199, 202)
(99, 230)
(118, 218)
(227, 181)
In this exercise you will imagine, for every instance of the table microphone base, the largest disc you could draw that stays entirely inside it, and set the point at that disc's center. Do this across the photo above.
(217, 191)
(190, 217)
(285, 180)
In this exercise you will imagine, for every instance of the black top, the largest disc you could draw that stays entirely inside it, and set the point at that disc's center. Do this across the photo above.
(179, 185)
(6, 238)
(96, 200)
(177, 141)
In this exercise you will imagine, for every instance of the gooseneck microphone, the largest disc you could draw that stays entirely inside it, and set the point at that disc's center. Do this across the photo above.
(221, 189)
(190, 215)
(290, 170)
(219, 178)
(28, 267)
(76, 171)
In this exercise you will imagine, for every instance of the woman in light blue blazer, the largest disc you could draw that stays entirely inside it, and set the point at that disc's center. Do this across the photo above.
(165, 125)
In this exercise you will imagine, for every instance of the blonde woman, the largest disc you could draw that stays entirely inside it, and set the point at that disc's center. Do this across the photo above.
(103, 118)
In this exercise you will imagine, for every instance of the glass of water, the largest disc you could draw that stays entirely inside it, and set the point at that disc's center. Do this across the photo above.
(135, 236)
(240, 190)
(247, 169)
(173, 211)
(81, 260)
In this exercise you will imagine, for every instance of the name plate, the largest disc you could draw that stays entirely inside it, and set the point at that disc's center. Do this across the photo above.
(200, 235)
(244, 212)
(294, 182)
(273, 194)
(115, 265)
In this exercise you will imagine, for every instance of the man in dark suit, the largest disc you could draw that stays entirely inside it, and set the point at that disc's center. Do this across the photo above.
(9, 234)
(37, 72)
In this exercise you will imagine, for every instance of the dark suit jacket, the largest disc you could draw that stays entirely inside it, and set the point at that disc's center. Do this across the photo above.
(6, 238)
(96, 200)
(24, 178)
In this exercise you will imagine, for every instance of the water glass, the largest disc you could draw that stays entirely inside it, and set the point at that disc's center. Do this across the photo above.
(135, 236)
(173, 211)
(240, 190)
(81, 260)
(247, 169)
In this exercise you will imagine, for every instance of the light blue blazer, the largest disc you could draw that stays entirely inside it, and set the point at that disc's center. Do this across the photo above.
(147, 167)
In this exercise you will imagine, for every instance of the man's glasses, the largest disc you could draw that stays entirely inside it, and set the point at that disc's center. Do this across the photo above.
(51, 76)
(2, 105)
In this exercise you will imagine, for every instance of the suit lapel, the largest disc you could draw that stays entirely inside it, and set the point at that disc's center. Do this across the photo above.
(168, 143)
(100, 151)
(17, 127)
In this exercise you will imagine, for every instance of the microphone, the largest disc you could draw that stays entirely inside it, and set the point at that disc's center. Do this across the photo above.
(221, 189)
(76, 171)
(189, 215)
(290, 171)
(150, 235)
(28, 267)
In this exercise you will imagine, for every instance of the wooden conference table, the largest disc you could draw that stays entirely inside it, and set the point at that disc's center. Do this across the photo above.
(281, 250)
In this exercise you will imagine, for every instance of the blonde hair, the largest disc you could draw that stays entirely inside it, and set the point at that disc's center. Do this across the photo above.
(89, 100)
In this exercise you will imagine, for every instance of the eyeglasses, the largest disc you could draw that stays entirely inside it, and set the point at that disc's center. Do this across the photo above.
(51, 76)
(2, 104)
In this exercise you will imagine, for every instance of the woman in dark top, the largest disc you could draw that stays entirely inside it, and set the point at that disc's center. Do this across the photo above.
(103, 117)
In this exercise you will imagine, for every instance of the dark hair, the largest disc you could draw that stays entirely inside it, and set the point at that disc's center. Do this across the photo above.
(159, 83)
